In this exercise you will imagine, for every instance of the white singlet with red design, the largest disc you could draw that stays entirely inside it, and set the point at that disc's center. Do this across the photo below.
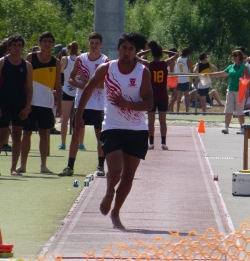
(128, 85)
(88, 67)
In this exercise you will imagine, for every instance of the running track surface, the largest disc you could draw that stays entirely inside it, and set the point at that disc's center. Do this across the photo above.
(172, 191)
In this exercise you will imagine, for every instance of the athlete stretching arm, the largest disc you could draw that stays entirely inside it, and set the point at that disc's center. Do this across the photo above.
(58, 87)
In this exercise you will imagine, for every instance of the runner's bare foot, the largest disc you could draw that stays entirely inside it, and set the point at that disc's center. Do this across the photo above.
(116, 221)
(15, 173)
(106, 204)
(44, 169)
(21, 169)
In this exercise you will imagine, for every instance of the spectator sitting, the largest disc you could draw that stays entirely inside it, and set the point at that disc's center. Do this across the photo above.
(212, 95)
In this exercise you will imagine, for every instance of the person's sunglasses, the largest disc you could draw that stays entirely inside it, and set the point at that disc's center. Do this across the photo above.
(235, 55)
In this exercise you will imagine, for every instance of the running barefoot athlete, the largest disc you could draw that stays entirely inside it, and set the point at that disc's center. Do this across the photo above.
(16, 92)
(128, 95)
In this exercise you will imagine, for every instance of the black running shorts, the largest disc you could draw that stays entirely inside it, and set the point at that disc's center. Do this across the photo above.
(133, 143)
(66, 97)
(183, 87)
(40, 116)
(92, 118)
(161, 105)
(203, 92)
(10, 113)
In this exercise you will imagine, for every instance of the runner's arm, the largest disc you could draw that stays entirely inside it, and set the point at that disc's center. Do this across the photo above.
(146, 94)
(96, 79)
(217, 74)
(139, 58)
(29, 87)
(1, 67)
(190, 65)
(63, 63)
(58, 88)
(73, 75)
(196, 68)
(212, 67)
(29, 92)
(172, 59)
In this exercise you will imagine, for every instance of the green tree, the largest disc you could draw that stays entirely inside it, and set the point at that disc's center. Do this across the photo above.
(17, 18)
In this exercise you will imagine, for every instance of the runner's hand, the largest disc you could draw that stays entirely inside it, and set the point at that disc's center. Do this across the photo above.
(119, 101)
(58, 111)
(23, 115)
(82, 77)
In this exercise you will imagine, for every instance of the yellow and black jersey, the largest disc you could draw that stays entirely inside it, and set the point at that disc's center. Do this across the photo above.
(44, 81)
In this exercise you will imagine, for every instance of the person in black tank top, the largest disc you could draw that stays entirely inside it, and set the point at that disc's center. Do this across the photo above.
(159, 72)
(15, 96)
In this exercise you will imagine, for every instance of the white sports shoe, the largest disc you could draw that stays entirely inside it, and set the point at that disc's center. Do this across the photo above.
(164, 146)
(240, 131)
(151, 146)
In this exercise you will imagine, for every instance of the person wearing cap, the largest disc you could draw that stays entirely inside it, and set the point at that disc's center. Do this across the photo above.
(204, 67)
(235, 71)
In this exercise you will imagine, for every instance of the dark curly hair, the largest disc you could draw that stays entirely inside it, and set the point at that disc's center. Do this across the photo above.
(15, 38)
(155, 48)
(46, 34)
(137, 40)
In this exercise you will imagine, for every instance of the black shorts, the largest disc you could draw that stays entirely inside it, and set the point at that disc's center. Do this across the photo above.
(40, 116)
(66, 97)
(10, 113)
(92, 118)
(161, 105)
(203, 92)
(183, 87)
(133, 143)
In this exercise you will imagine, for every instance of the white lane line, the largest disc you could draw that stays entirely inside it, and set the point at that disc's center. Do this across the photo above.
(79, 202)
(217, 215)
(229, 220)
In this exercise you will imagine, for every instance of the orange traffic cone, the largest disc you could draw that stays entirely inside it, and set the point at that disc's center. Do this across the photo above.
(201, 128)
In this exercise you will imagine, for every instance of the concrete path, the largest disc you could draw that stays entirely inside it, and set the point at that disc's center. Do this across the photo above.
(172, 191)
(225, 155)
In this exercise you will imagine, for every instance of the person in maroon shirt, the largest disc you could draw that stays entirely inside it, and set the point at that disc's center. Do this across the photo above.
(159, 74)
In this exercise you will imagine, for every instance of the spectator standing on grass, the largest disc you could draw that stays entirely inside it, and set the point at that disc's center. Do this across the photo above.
(124, 138)
(46, 77)
(204, 67)
(159, 72)
(15, 96)
(69, 93)
(84, 67)
(234, 71)
(4, 50)
(184, 65)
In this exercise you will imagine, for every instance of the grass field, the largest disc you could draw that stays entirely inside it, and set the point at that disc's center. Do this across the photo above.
(32, 207)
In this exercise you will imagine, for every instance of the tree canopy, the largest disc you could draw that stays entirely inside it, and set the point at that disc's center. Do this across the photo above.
(215, 27)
